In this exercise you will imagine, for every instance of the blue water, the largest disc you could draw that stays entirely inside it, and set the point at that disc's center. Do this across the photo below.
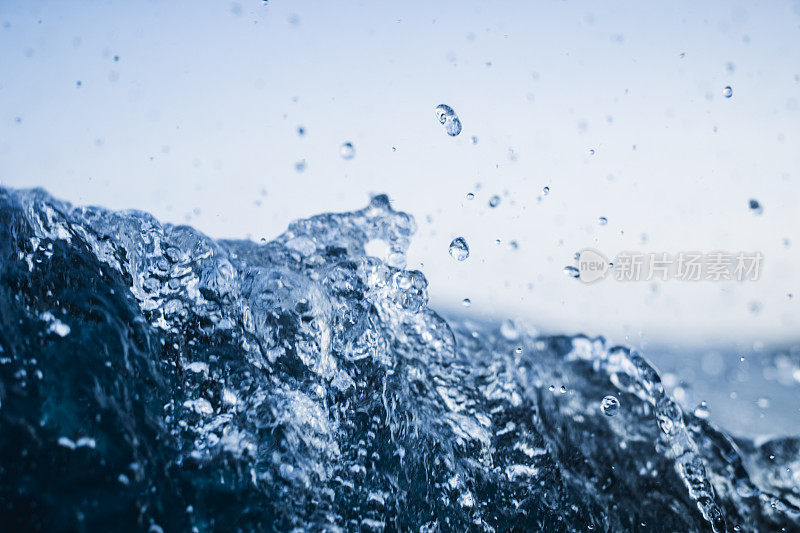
(154, 378)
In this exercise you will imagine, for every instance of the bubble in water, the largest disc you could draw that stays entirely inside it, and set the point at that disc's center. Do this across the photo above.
(347, 151)
(727, 92)
(494, 201)
(448, 117)
(459, 249)
(755, 206)
(546, 191)
(610, 405)
(603, 221)
(572, 272)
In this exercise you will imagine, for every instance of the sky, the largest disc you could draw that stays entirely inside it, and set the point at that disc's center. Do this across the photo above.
(191, 110)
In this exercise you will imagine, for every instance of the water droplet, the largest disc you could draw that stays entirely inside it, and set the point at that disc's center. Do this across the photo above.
(448, 117)
(591, 151)
(509, 330)
(701, 411)
(546, 191)
(494, 201)
(755, 207)
(610, 405)
(347, 151)
(474, 140)
(466, 302)
(563, 389)
(603, 221)
(300, 166)
(459, 249)
(470, 196)
(572, 272)
(727, 92)
(301, 131)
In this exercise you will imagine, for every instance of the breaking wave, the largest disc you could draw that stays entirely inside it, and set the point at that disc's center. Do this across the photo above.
(153, 377)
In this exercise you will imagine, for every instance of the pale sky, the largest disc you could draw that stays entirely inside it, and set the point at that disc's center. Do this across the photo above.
(190, 110)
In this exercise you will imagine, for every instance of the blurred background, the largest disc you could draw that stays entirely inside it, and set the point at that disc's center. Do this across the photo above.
(666, 119)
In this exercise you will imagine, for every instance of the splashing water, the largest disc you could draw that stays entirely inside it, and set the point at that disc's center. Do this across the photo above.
(302, 384)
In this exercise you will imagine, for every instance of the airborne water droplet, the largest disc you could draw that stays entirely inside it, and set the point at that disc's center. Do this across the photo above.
(610, 405)
(494, 201)
(459, 249)
(347, 151)
(701, 410)
(727, 92)
(572, 272)
(448, 117)
(546, 191)
(755, 206)
(466, 302)
(603, 221)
